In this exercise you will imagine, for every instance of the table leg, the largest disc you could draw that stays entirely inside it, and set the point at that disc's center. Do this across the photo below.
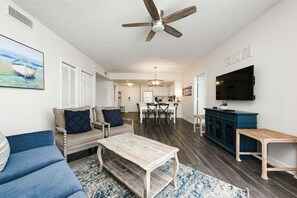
(174, 116)
(264, 160)
(147, 186)
(141, 115)
(99, 154)
(194, 124)
(200, 126)
(238, 146)
(175, 171)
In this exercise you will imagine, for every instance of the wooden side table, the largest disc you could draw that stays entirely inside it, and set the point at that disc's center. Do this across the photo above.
(265, 136)
(199, 119)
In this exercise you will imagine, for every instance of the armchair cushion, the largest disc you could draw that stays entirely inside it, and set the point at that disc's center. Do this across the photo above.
(126, 128)
(99, 115)
(77, 121)
(60, 118)
(79, 139)
(113, 117)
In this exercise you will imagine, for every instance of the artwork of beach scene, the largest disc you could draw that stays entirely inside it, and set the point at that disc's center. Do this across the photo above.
(20, 66)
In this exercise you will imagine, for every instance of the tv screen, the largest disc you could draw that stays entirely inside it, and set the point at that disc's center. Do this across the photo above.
(237, 85)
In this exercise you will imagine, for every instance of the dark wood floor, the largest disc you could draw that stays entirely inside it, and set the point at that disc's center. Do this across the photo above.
(205, 156)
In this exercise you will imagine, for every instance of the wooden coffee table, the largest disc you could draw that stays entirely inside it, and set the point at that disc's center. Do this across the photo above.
(136, 166)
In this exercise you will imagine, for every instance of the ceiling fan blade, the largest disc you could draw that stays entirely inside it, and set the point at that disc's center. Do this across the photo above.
(137, 24)
(180, 14)
(152, 9)
(170, 30)
(150, 35)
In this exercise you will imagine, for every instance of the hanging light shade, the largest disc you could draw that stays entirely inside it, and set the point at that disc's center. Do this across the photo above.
(155, 82)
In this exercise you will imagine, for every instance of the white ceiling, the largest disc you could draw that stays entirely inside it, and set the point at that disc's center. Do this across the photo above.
(94, 27)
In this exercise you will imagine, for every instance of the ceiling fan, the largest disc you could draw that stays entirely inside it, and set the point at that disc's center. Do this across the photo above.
(159, 23)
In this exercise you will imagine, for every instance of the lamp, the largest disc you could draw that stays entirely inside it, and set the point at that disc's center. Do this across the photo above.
(155, 82)
(129, 84)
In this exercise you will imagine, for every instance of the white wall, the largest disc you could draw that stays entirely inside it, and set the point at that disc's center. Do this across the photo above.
(24, 110)
(105, 93)
(274, 54)
(134, 93)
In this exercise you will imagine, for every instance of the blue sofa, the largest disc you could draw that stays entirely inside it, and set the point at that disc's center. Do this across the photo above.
(36, 168)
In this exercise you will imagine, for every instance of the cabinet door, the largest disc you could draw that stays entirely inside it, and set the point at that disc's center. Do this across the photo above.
(219, 134)
(210, 126)
(230, 133)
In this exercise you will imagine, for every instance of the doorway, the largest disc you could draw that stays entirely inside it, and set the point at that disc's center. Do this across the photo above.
(199, 94)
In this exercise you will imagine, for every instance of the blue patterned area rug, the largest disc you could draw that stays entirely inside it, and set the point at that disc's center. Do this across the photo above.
(191, 183)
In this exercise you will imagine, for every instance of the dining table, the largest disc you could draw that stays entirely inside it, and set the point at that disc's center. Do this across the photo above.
(143, 109)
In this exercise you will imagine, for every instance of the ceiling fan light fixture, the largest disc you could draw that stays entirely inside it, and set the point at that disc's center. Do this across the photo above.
(158, 26)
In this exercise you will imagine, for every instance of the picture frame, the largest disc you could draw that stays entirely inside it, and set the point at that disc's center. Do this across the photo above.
(187, 91)
(21, 66)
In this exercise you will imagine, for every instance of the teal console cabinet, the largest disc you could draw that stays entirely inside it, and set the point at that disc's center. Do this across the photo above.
(221, 125)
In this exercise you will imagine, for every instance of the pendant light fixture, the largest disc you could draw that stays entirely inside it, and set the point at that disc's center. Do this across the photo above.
(155, 82)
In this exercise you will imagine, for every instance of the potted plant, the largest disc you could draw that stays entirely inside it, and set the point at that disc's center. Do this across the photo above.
(224, 105)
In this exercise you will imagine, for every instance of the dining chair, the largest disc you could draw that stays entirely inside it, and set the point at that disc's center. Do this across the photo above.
(138, 110)
(171, 112)
(163, 110)
(151, 110)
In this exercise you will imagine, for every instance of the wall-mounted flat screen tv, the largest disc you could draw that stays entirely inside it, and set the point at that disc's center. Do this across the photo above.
(236, 85)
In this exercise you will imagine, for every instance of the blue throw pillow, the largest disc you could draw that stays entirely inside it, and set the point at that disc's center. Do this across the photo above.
(77, 121)
(113, 117)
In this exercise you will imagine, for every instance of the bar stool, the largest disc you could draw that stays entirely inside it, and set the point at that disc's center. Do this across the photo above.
(199, 119)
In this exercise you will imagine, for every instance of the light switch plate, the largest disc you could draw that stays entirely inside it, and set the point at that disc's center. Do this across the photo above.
(246, 52)
(236, 57)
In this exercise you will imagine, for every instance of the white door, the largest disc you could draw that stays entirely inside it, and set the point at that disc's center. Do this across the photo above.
(199, 99)
(86, 89)
(68, 86)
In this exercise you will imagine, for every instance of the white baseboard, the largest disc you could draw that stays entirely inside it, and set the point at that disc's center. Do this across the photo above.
(270, 159)
(188, 120)
(279, 164)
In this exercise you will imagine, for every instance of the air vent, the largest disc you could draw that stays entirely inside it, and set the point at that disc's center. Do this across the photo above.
(20, 17)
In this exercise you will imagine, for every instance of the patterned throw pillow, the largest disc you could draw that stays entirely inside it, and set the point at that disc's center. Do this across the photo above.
(77, 121)
(113, 117)
(4, 151)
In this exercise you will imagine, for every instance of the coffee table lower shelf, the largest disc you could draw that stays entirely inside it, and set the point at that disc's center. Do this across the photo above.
(132, 176)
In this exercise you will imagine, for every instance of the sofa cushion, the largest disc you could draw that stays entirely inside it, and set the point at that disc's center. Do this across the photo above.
(27, 141)
(55, 180)
(4, 151)
(60, 118)
(26, 162)
(79, 139)
(113, 117)
(79, 194)
(126, 128)
(77, 121)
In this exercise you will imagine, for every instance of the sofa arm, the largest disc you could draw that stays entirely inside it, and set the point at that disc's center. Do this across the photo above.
(23, 142)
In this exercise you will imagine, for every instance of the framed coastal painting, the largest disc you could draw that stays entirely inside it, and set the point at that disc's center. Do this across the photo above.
(187, 91)
(21, 66)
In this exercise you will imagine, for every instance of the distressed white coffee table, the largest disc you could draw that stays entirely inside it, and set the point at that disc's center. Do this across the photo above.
(136, 166)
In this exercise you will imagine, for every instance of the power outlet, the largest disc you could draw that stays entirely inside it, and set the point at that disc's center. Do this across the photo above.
(246, 52)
